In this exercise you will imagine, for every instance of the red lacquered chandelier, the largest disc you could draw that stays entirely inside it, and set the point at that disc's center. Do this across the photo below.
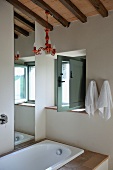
(48, 47)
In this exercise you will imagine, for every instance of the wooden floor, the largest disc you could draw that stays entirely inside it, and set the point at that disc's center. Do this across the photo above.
(87, 161)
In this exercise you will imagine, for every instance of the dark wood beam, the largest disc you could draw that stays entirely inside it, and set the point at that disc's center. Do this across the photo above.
(21, 30)
(30, 13)
(52, 12)
(24, 21)
(99, 7)
(72, 8)
(15, 36)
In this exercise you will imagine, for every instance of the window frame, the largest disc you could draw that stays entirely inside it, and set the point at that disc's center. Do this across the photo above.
(22, 66)
(27, 65)
(66, 108)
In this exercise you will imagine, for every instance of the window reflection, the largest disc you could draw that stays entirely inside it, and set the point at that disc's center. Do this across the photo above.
(20, 84)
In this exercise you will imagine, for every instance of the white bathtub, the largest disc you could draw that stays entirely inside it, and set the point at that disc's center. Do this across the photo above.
(40, 156)
(22, 137)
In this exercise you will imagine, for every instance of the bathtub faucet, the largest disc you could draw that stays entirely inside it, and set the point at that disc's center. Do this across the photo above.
(3, 119)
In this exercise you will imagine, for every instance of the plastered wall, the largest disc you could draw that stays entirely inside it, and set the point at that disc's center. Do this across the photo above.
(44, 94)
(96, 36)
(6, 75)
(24, 117)
(25, 45)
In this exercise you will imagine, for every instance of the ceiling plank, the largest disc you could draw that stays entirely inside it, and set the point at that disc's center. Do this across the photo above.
(24, 21)
(99, 7)
(30, 13)
(72, 8)
(15, 36)
(52, 12)
(21, 30)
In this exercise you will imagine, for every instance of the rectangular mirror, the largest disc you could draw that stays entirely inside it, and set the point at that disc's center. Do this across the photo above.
(24, 109)
(71, 82)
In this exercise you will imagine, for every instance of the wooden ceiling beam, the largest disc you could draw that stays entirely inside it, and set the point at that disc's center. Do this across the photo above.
(30, 13)
(15, 36)
(73, 9)
(52, 12)
(24, 21)
(99, 7)
(21, 30)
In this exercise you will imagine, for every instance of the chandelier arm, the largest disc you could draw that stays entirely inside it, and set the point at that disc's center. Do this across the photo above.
(48, 47)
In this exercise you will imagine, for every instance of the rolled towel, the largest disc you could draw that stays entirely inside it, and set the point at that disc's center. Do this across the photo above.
(91, 98)
(105, 103)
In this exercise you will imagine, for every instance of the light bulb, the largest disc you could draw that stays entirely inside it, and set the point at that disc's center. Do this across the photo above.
(49, 41)
(34, 48)
(54, 46)
(17, 53)
(34, 45)
(17, 56)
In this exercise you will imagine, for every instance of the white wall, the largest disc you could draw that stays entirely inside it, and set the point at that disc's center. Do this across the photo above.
(96, 36)
(25, 45)
(6, 75)
(24, 117)
(44, 84)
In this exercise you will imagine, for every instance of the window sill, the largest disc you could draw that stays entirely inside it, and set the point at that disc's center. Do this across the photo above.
(26, 104)
(76, 111)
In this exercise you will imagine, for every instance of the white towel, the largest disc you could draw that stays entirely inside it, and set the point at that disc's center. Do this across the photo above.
(105, 103)
(91, 98)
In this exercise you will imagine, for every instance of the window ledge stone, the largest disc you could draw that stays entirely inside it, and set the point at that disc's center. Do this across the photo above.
(77, 110)
(26, 104)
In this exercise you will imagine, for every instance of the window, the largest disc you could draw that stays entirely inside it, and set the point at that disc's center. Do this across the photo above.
(24, 83)
(71, 80)
(20, 84)
(65, 84)
(31, 84)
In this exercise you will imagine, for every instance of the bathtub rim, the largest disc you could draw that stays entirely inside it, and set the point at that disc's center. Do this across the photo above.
(37, 143)
(55, 166)
(27, 137)
(60, 163)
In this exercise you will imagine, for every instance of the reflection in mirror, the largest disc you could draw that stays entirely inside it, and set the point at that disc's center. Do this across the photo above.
(71, 82)
(24, 110)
